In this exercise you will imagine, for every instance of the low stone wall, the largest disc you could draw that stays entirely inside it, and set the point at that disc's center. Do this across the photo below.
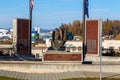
(40, 67)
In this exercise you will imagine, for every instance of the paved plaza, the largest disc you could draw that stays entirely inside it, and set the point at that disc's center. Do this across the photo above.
(55, 76)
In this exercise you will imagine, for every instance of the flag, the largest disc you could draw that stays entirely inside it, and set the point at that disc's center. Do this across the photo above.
(86, 8)
(31, 4)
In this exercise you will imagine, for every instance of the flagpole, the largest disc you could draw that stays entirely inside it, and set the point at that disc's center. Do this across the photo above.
(84, 32)
(30, 25)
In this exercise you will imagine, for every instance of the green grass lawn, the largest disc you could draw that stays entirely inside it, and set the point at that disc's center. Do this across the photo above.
(92, 79)
(8, 78)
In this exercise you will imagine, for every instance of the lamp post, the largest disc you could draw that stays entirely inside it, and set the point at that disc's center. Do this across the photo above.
(100, 47)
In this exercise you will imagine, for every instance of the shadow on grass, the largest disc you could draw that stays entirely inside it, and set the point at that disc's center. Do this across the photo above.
(112, 76)
(8, 78)
(92, 79)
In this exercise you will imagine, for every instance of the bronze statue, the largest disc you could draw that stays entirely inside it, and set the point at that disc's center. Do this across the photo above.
(59, 37)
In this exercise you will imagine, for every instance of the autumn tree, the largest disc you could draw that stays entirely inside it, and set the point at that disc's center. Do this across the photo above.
(116, 27)
(111, 27)
(107, 28)
(117, 37)
(77, 28)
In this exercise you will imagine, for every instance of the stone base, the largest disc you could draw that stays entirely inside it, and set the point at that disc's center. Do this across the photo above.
(62, 56)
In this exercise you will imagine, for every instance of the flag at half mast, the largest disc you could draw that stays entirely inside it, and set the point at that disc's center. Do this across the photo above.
(31, 4)
(86, 8)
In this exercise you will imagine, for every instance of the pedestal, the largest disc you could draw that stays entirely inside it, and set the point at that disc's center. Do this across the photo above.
(62, 56)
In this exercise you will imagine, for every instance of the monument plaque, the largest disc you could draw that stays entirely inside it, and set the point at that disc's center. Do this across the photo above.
(93, 36)
(21, 35)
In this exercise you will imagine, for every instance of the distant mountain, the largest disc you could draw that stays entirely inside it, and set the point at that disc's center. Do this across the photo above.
(45, 30)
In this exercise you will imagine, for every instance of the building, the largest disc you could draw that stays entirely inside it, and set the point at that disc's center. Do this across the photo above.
(4, 30)
(111, 44)
(35, 35)
(37, 29)
(38, 52)
(5, 33)
(73, 46)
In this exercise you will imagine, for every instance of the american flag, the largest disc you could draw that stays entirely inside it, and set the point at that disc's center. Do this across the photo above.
(31, 4)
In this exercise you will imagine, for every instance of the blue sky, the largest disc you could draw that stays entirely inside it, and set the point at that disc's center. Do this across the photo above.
(51, 13)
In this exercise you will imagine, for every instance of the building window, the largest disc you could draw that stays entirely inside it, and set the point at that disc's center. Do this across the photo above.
(79, 48)
(73, 48)
(111, 47)
(68, 49)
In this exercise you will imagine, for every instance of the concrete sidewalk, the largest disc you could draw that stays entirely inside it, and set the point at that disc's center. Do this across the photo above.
(55, 76)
